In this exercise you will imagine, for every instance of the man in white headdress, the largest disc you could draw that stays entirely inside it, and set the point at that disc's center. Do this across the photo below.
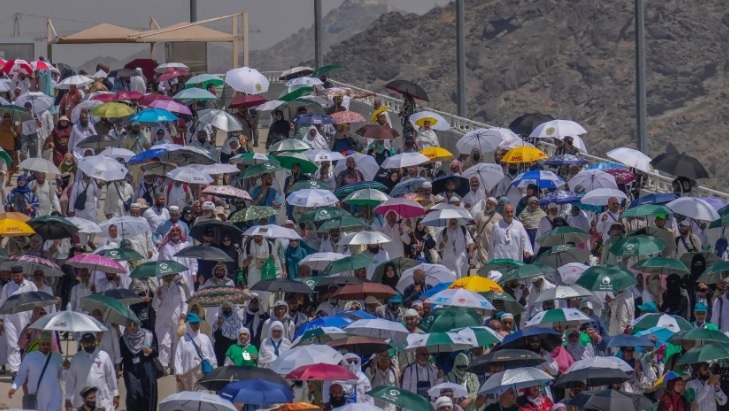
(457, 246)
(353, 392)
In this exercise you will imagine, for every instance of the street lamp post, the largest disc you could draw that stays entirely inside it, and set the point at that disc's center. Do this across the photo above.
(640, 94)
(318, 49)
(460, 59)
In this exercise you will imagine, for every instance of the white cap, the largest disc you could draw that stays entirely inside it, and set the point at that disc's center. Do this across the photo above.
(410, 313)
(492, 200)
(427, 184)
(552, 205)
(208, 205)
(443, 402)
(174, 208)
(685, 223)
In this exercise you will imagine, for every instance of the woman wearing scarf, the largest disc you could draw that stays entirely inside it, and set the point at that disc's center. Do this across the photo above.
(530, 218)
(58, 141)
(315, 139)
(22, 199)
(36, 246)
(575, 348)
(311, 237)
(378, 150)
(534, 400)
(173, 243)
(230, 148)
(230, 248)
(390, 276)
(531, 191)
(294, 253)
(145, 289)
(225, 331)
(273, 345)
(138, 351)
(253, 319)
(469, 380)
(676, 298)
(279, 130)
(242, 353)
(672, 399)
(617, 233)
(65, 180)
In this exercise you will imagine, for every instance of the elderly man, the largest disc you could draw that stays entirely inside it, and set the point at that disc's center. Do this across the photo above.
(161, 231)
(157, 214)
(546, 223)
(376, 253)
(80, 131)
(413, 291)
(118, 197)
(686, 242)
(485, 220)
(399, 232)
(457, 246)
(136, 140)
(509, 239)
(349, 175)
(427, 137)
(47, 194)
(607, 218)
(91, 366)
(475, 196)
(13, 324)
(421, 376)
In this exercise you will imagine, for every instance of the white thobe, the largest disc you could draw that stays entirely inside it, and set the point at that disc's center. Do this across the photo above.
(259, 252)
(604, 226)
(379, 258)
(622, 312)
(78, 134)
(179, 196)
(509, 241)
(719, 313)
(473, 198)
(504, 188)
(49, 395)
(316, 143)
(187, 360)
(47, 198)
(93, 193)
(109, 343)
(78, 292)
(116, 194)
(170, 301)
(707, 397)
(327, 246)
(45, 129)
(14, 323)
(427, 139)
(156, 217)
(168, 251)
(414, 373)
(396, 247)
(97, 370)
(455, 250)
(580, 221)
(330, 309)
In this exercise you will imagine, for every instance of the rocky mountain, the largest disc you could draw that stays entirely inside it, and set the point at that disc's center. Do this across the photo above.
(573, 59)
(352, 17)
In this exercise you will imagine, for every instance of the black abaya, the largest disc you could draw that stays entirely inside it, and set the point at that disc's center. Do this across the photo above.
(139, 378)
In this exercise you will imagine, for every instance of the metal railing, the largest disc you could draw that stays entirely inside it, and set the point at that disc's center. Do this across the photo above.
(652, 182)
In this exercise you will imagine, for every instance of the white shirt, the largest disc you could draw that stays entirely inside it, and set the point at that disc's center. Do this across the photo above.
(720, 313)
(415, 372)
(78, 134)
(29, 127)
(396, 247)
(473, 197)
(49, 393)
(78, 292)
(155, 217)
(168, 253)
(604, 227)
(186, 356)
(707, 397)
(509, 241)
(95, 369)
(47, 198)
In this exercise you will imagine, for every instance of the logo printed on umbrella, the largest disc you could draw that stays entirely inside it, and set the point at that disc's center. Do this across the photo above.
(259, 87)
(606, 284)
(550, 131)
(163, 266)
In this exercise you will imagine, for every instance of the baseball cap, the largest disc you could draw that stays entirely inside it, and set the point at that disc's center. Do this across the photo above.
(701, 308)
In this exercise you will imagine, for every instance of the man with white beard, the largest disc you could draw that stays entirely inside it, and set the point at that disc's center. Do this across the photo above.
(546, 223)
(170, 301)
(79, 133)
(118, 193)
(377, 254)
(475, 196)
(45, 191)
(142, 243)
(13, 324)
(509, 239)
(485, 220)
(457, 246)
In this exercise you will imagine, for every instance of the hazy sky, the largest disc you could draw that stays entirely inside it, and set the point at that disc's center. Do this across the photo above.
(275, 19)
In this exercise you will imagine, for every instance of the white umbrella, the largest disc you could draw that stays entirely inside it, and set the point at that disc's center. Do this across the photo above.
(118, 152)
(196, 401)
(273, 231)
(404, 160)
(172, 65)
(190, 175)
(601, 196)
(296, 70)
(438, 342)
(68, 321)
(469, 333)
(631, 158)
(84, 226)
(440, 123)
(562, 292)
(557, 316)
(218, 168)
(102, 168)
(558, 129)
(511, 144)
(459, 391)
(517, 378)
(40, 101)
(5, 86)
(601, 362)
(304, 81)
(379, 328)
(78, 81)
(219, 119)
(571, 272)
(483, 139)
(460, 297)
(489, 174)
(311, 197)
(442, 216)
(320, 261)
(127, 226)
(319, 155)
(365, 164)
(247, 80)
(270, 105)
(329, 334)
(359, 406)
(39, 164)
(305, 355)
(434, 275)
(85, 105)
(693, 207)
(364, 238)
(588, 180)
(100, 74)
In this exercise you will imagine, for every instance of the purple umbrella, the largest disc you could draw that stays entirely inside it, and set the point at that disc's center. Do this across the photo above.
(716, 203)
(171, 105)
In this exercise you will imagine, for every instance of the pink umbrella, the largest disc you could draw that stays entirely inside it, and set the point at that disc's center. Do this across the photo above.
(103, 96)
(171, 105)
(95, 262)
(128, 95)
(622, 176)
(321, 372)
(404, 207)
(41, 65)
(147, 99)
(172, 73)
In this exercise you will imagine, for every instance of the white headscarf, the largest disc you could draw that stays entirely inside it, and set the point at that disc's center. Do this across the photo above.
(225, 149)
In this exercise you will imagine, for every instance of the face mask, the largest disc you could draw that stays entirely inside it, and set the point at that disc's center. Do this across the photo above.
(90, 404)
(227, 313)
(89, 348)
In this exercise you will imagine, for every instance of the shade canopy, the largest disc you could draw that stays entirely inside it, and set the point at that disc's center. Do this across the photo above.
(102, 33)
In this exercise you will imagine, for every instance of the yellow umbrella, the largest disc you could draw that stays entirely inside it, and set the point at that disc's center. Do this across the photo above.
(421, 120)
(112, 110)
(11, 228)
(524, 155)
(476, 284)
(377, 113)
(437, 154)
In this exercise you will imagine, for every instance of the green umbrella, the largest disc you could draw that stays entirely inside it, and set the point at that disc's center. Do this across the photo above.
(504, 302)
(527, 271)
(606, 278)
(499, 264)
(254, 158)
(704, 335)
(709, 257)
(638, 245)
(344, 191)
(705, 353)
(5, 156)
(252, 213)
(112, 310)
(723, 221)
(563, 235)
(646, 210)
(400, 263)
(289, 144)
(446, 319)
(661, 265)
(327, 69)
(157, 269)
(346, 222)
(366, 197)
(438, 342)
(323, 214)
(400, 397)
(259, 169)
(289, 160)
(672, 323)
(349, 263)
(289, 96)
(483, 336)
(715, 273)
(204, 80)
(309, 184)
(122, 254)
(321, 335)
(563, 254)
(18, 114)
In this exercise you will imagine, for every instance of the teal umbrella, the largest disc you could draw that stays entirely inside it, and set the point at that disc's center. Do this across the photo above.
(366, 197)
(122, 254)
(499, 264)
(309, 184)
(194, 94)
(258, 169)
(715, 273)
(112, 310)
(326, 69)
(18, 114)
(563, 254)
(401, 398)
(323, 214)
(646, 210)
(446, 319)
(289, 96)
(637, 246)
(349, 263)
(288, 160)
(609, 278)
(204, 80)
(527, 271)
(562, 236)
(157, 269)
(346, 223)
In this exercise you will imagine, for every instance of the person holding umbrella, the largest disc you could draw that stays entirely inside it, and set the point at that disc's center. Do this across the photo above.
(170, 301)
(47, 193)
(194, 355)
(13, 324)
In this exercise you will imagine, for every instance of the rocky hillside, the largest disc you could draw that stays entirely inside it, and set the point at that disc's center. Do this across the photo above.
(352, 17)
(573, 59)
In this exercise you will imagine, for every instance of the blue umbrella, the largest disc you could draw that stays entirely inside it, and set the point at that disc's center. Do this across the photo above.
(565, 160)
(548, 336)
(407, 187)
(658, 198)
(542, 179)
(435, 290)
(340, 320)
(662, 334)
(313, 119)
(257, 392)
(147, 156)
(153, 115)
(625, 340)
(356, 315)
(560, 197)
(608, 165)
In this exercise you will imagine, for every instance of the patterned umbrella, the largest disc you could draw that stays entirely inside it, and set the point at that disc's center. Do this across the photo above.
(622, 176)
(227, 191)
(31, 264)
(121, 254)
(344, 117)
(348, 189)
(565, 160)
(95, 262)
(216, 296)
(252, 213)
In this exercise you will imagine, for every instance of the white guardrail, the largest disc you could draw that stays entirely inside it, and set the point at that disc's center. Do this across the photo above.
(651, 182)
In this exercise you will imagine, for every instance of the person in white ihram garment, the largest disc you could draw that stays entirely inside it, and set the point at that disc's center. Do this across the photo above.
(43, 370)
(191, 350)
(457, 246)
(353, 392)
(80, 131)
(255, 254)
(707, 389)
(398, 232)
(509, 239)
(91, 367)
(117, 194)
(315, 139)
(173, 243)
(90, 207)
(157, 214)
(170, 301)
(13, 324)
(45, 190)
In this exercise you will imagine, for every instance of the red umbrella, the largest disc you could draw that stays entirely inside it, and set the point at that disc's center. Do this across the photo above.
(362, 291)
(172, 73)
(321, 372)
(362, 346)
(622, 176)
(128, 95)
(41, 65)
(247, 101)
(103, 96)
(16, 66)
(147, 99)
(95, 262)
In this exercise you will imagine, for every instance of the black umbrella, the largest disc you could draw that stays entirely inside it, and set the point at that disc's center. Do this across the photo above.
(526, 123)
(97, 143)
(462, 185)
(510, 359)
(53, 227)
(403, 86)
(282, 285)
(338, 282)
(679, 164)
(204, 252)
(219, 228)
(592, 377)
(123, 295)
(610, 400)
(218, 378)
(26, 301)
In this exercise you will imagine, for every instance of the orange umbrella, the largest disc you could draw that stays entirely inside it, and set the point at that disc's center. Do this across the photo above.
(298, 406)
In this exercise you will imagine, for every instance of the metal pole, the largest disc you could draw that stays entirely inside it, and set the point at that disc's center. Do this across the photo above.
(460, 59)
(640, 98)
(193, 11)
(318, 49)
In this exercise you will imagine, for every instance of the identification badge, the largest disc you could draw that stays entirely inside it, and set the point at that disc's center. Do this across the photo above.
(136, 360)
(246, 356)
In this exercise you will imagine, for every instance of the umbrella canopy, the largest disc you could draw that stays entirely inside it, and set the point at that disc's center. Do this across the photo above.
(527, 271)
(609, 278)
(227, 192)
(541, 178)
(451, 318)
(97, 142)
(484, 140)
(637, 246)
(256, 392)
(362, 346)
(289, 144)
(123, 295)
(476, 284)
(84, 226)
(592, 377)
(347, 117)
(437, 122)
(441, 217)
(171, 106)
(377, 132)
(693, 207)
(562, 236)
(281, 285)
(190, 175)
(78, 81)
(307, 119)
(434, 275)
(253, 213)
(121, 254)
(204, 80)
(158, 269)
(701, 335)
(96, 262)
(112, 110)
(220, 120)
(247, 80)
(601, 196)
(715, 273)
(610, 400)
(349, 263)
(516, 378)
(102, 168)
(679, 164)
(194, 94)
(320, 261)
(13, 228)
(40, 101)
(401, 398)
(367, 197)
(460, 297)
(321, 335)
(510, 359)
(112, 310)
(321, 372)
(218, 378)
(68, 321)
(52, 227)
(26, 301)
(403, 207)
(437, 342)
(565, 160)
(289, 160)
(558, 317)
(480, 336)
(153, 115)
(560, 255)
(31, 264)
(405, 86)
(548, 338)
(670, 322)
(489, 175)
(195, 401)
(404, 160)
(558, 129)
(523, 154)
(364, 238)
(118, 152)
(303, 356)
(626, 340)
(215, 296)
(563, 292)
(646, 210)
(273, 231)
(437, 154)
(127, 226)
(362, 291)
(378, 328)
(246, 101)
(588, 180)
(219, 228)
(661, 265)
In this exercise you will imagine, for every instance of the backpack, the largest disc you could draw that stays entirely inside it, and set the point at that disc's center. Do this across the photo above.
(19, 203)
